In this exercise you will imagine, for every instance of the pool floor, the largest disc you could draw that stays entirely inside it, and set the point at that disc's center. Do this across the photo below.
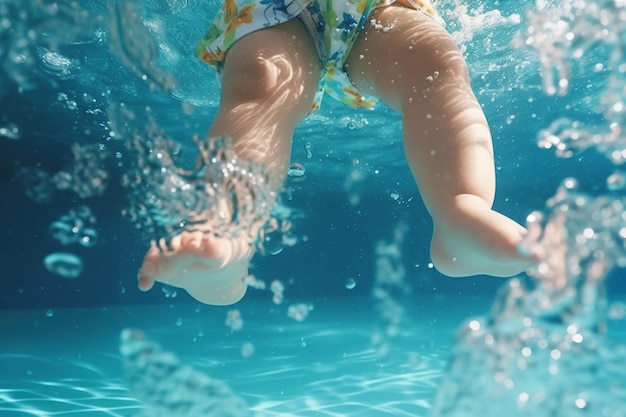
(343, 359)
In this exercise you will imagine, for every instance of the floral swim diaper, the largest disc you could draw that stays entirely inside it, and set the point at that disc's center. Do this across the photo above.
(333, 24)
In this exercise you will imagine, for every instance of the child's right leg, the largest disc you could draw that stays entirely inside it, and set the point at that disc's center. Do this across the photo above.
(417, 69)
(268, 87)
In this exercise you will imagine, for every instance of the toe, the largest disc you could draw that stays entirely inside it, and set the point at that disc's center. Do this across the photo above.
(145, 282)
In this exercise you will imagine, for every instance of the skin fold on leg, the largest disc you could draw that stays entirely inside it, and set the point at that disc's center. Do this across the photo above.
(417, 69)
(269, 82)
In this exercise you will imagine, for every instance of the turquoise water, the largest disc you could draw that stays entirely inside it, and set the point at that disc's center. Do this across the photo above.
(353, 319)
(325, 365)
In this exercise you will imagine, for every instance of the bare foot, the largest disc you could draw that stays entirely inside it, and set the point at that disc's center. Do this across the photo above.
(211, 269)
(471, 239)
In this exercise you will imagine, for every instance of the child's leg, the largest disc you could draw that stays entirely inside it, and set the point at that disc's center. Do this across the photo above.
(418, 70)
(268, 86)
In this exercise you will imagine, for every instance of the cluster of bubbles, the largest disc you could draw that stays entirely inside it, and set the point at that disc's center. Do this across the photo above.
(299, 311)
(169, 291)
(354, 183)
(170, 388)
(390, 288)
(219, 194)
(596, 31)
(253, 282)
(278, 291)
(131, 41)
(31, 33)
(465, 20)
(77, 226)
(234, 320)
(85, 176)
(10, 131)
(543, 350)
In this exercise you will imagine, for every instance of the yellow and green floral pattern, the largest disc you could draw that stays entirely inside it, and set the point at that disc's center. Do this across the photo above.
(333, 24)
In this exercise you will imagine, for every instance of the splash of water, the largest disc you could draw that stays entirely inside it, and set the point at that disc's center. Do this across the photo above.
(567, 32)
(390, 290)
(221, 194)
(33, 31)
(29, 27)
(133, 44)
(170, 388)
(543, 350)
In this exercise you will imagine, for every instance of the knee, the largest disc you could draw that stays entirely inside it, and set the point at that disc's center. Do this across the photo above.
(267, 68)
(253, 78)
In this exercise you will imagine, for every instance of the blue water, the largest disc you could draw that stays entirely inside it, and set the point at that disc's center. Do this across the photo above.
(59, 336)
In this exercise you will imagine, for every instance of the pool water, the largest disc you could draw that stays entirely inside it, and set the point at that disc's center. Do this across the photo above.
(68, 361)
(349, 318)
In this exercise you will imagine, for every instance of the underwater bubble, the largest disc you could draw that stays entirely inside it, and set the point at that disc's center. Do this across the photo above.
(58, 65)
(49, 313)
(350, 283)
(63, 232)
(351, 125)
(71, 105)
(308, 147)
(616, 181)
(89, 237)
(570, 183)
(63, 264)
(617, 310)
(296, 170)
(170, 292)
(10, 131)
(247, 349)
(273, 242)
